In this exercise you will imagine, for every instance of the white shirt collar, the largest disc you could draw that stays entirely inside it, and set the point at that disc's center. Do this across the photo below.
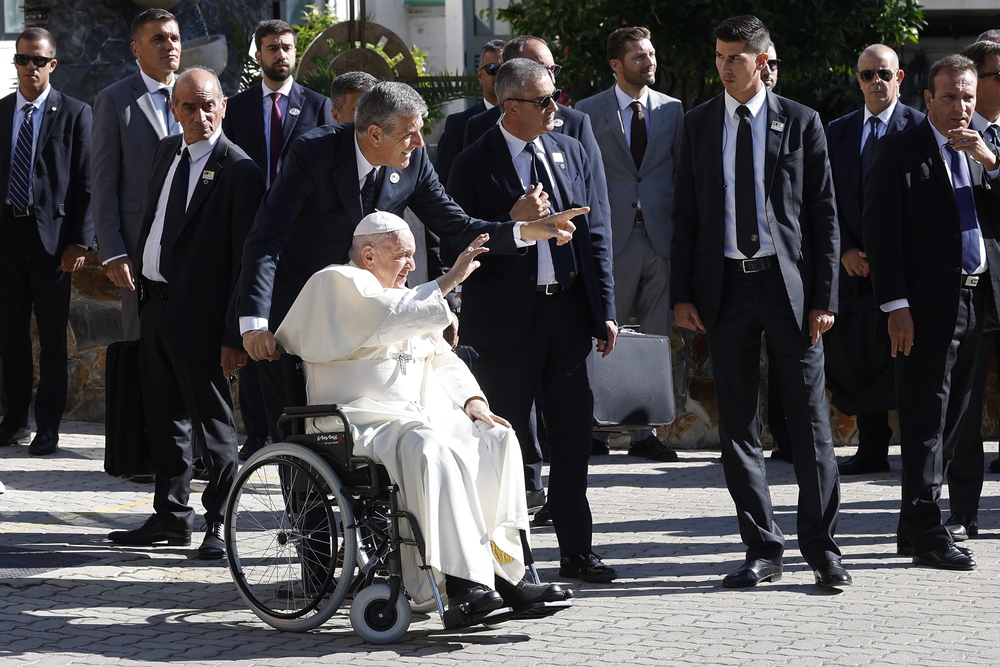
(285, 89)
(755, 103)
(939, 138)
(364, 166)
(200, 149)
(515, 145)
(38, 102)
(152, 85)
(624, 99)
(885, 115)
(979, 122)
(489, 105)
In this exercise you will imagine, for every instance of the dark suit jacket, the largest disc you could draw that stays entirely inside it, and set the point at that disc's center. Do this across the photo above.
(912, 231)
(844, 137)
(497, 298)
(800, 207)
(307, 219)
(452, 139)
(201, 258)
(60, 176)
(244, 121)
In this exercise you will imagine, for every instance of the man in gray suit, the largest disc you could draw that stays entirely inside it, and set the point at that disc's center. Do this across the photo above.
(639, 132)
(130, 118)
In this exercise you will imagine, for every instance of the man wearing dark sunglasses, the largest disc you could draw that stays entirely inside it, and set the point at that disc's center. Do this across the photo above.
(44, 160)
(863, 389)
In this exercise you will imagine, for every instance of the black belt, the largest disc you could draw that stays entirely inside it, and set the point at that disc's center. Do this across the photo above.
(755, 265)
(549, 290)
(973, 281)
(21, 212)
(639, 220)
(153, 289)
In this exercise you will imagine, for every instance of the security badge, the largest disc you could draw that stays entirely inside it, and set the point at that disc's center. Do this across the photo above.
(559, 160)
(777, 126)
(394, 178)
(294, 112)
(558, 122)
(207, 176)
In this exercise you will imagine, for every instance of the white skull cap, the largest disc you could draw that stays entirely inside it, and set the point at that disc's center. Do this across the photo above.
(380, 222)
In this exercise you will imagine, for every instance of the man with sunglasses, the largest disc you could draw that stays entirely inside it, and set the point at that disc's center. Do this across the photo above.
(531, 316)
(450, 143)
(859, 368)
(47, 231)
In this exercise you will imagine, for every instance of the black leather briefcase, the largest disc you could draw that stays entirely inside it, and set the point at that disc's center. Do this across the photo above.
(633, 386)
(126, 448)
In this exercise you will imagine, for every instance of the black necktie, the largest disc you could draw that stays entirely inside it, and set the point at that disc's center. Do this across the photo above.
(368, 194)
(638, 131)
(173, 216)
(20, 168)
(563, 260)
(868, 150)
(992, 135)
(747, 234)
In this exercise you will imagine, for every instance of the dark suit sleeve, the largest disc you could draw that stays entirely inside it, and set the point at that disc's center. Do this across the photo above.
(882, 223)
(593, 151)
(685, 219)
(449, 146)
(82, 222)
(246, 199)
(600, 236)
(106, 161)
(820, 213)
(835, 131)
(325, 112)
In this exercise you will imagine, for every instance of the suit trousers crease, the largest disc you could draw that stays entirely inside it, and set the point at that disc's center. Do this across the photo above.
(753, 304)
(552, 361)
(642, 282)
(32, 279)
(965, 470)
(934, 386)
(186, 398)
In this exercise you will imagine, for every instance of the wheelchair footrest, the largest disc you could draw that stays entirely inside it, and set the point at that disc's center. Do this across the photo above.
(456, 618)
(532, 611)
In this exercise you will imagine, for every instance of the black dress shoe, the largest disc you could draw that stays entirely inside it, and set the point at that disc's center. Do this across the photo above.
(535, 499)
(861, 464)
(832, 575)
(14, 435)
(46, 442)
(152, 532)
(599, 447)
(253, 444)
(525, 593)
(995, 465)
(542, 517)
(947, 557)
(753, 572)
(781, 454)
(586, 567)
(478, 599)
(214, 546)
(962, 526)
(907, 550)
(651, 448)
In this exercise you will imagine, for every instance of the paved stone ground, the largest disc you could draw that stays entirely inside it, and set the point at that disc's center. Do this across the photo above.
(69, 597)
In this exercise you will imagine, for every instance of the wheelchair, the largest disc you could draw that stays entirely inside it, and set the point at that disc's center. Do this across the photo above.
(309, 525)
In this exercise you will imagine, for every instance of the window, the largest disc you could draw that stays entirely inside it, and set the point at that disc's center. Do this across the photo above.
(13, 18)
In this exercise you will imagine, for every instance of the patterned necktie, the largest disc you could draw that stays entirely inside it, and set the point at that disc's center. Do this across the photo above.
(368, 194)
(563, 260)
(638, 132)
(274, 148)
(747, 234)
(992, 135)
(20, 168)
(168, 117)
(972, 237)
(868, 150)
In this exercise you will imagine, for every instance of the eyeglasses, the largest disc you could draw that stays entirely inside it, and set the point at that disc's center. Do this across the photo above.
(868, 74)
(773, 64)
(39, 61)
(554, 69)
(491, 69)
(543, 102)
(985, 75)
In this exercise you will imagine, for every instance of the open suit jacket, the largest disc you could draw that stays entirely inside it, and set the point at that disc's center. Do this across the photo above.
(60, 175)
(652, 181)
(483, 179)
(800, 207)
(244, 121)
(201, 258)
(452, 139)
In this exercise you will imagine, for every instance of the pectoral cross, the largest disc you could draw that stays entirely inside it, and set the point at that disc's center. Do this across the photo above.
(402, 358)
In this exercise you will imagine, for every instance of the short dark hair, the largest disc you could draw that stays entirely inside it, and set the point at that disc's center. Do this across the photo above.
(350, 82)
(149, 16)
(492, 46)
(271, 27)
(37, 35)
(978, 52)
(619, 39)
(955, 63)
(515, 47)
(747, 29)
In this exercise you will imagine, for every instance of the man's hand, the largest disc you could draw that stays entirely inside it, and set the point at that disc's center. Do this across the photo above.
(606, 346)
(557, 226)
(120, 272)
(855, 261)
(968, 140)
(73, 257)
(686, 316)
(260, 345)
(820, 322)
(232, 361)
(477, 410)
(900, 331)
(464, 265)
(531, 206)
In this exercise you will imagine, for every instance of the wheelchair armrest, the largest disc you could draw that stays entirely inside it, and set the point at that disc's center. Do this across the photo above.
(295, 416)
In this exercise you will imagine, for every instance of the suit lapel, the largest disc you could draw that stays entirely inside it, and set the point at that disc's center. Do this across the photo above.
(502, 164)
(159, 176)
(145, 102)
(774, 135)
(207, 179)
(609, 103)
(897, 121)
(930, 152)
(52, 105)
(557, 168)
(292, 112)
(256, 120)
(6, 124)
(347, 185)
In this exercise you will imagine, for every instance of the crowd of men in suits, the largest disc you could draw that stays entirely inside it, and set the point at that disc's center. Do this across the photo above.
(860, 253)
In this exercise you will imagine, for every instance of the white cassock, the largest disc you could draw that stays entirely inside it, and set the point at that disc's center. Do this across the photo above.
(378, 352)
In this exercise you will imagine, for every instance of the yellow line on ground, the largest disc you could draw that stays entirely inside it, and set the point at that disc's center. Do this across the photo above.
(69, 518)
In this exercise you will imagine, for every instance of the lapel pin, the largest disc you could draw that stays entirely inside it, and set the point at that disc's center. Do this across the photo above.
(208, 175)
(777, 126)
(294, 112)
(394, 178)
(558, 122)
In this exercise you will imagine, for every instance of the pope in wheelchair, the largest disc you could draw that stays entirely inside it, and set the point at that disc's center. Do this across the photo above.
(375, 348)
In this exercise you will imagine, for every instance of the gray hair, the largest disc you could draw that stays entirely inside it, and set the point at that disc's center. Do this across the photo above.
(350, 82)
(385, 103)
(377, 241)
(514, 76)
(989, 36)
(183, 76)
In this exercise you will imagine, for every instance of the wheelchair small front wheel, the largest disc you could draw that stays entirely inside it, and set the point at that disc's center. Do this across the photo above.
(374, 621)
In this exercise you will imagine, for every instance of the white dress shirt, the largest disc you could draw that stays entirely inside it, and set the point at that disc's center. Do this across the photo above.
(268, 105)
(881, 127)
(160, 102)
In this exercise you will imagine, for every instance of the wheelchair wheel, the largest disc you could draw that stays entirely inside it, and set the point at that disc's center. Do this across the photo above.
(373, 622)
(290, 537)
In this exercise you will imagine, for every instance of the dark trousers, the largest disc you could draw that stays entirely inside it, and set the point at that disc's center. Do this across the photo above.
(965, 470)
(186, 397)
(552, 362)
(933, 388)
(282, 385)
(31, 278)
(753, 304)
(252, 401)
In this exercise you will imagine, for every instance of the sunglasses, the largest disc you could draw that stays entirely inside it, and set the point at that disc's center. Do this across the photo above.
(868, 74)
(491, 69)
(39, 61)
(773, 64)
(554, 69)
(985, 75)
(544, 102)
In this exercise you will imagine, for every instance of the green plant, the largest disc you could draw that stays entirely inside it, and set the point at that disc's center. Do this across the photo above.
(242, 38)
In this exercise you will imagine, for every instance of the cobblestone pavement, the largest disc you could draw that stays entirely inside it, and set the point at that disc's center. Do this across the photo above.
(69, 597)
